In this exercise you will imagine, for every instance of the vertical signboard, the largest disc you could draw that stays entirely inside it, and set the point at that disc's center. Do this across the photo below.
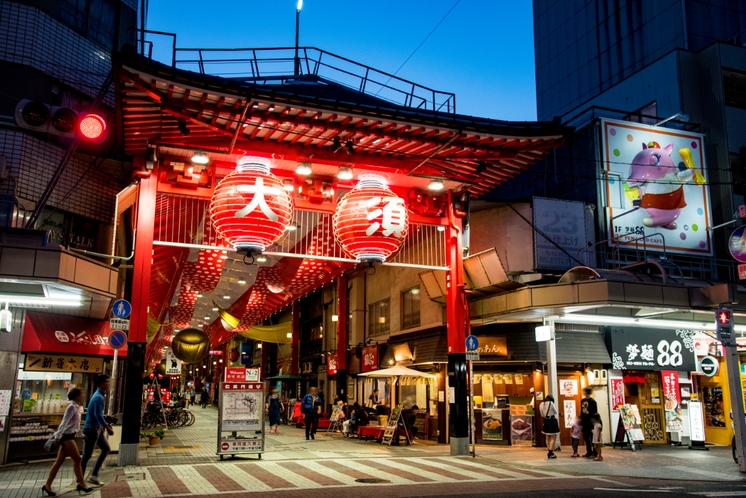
(655, 189)
(173, 364)
(672, 401)
(561, 223)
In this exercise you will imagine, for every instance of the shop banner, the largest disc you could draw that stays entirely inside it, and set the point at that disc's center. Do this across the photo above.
(696, 421)
(370, 358)
(640, 348)
(492, 345)
(331, 364)
(672, 403)
(564, 223)
(617, 393)
(240, 374)
(655, 187)
(568, 387)
(62, 363)
(173, 364)
(571, 412)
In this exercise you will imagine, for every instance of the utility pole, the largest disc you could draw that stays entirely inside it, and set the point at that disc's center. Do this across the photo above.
(297, 37)
(725, 334)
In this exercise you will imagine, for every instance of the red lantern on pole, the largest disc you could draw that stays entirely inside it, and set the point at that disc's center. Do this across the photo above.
(250, 208)
(371, 221)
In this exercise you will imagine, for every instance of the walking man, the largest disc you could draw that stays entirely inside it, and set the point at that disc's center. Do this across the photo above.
(311, 406)
(94, 427)
(588, 408)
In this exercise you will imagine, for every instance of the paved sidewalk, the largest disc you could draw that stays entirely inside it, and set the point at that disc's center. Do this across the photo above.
(185, 464)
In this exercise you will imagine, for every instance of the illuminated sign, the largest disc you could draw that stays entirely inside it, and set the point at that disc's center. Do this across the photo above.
(654, 184)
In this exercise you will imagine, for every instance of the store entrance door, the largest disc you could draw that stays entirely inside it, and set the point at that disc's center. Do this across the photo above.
(568, 404)
(651, 409)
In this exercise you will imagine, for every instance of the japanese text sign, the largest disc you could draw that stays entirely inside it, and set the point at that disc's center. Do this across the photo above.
(62, 363)
(640, 348)
(370, 358)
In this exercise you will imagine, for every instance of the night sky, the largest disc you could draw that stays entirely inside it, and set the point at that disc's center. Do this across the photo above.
(483, 51)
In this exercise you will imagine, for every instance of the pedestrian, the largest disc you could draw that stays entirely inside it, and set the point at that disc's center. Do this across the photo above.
(358, 417)
(64, 439)
(550, 427)
(597, 441)
(588, 407)
(204, 398)
(373, 403)
(577, 429)
(192, 396)
(274, 407)
(311, 409)
(95, 429)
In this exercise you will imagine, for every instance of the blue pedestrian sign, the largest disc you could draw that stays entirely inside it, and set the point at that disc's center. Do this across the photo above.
(472, 343)
(122, 308)
(117, 339)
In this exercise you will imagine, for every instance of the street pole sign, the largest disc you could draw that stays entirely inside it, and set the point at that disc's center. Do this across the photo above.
(117, 339)
(472, 343)
(121, 308)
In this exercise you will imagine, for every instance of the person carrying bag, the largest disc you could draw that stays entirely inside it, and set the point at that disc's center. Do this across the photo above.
(550, 427)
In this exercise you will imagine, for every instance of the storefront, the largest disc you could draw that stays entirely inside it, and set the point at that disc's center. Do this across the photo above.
(653, 373)
(58, 353)
(510, 380)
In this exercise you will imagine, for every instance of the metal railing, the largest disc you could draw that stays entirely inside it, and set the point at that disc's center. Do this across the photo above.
(277, 65)
(616, 254)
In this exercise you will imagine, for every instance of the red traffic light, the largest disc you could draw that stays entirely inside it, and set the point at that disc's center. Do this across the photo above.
(724, 317)
(92, 126)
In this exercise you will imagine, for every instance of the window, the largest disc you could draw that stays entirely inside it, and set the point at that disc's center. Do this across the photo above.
(95, 19)
(379, 317)
(734, 85)
(410, 308)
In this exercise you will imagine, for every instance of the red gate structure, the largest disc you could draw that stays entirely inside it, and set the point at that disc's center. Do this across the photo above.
(322, 140)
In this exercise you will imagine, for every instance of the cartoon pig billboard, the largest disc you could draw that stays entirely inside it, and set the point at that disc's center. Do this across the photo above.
(654, 184)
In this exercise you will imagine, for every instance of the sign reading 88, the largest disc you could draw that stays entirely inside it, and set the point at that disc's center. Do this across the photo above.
(669, 354)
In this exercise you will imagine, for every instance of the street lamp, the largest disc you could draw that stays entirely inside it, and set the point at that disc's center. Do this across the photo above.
(297, 36)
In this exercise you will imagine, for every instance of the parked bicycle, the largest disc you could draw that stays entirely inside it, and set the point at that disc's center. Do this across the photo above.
(175, 416)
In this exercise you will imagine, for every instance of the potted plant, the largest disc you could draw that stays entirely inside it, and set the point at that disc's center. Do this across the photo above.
(153, 437)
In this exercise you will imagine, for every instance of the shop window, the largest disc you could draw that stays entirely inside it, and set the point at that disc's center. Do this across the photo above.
(410, 308)
(379, 317)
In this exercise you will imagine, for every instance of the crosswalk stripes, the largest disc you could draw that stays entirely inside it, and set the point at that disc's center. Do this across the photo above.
(225, 477)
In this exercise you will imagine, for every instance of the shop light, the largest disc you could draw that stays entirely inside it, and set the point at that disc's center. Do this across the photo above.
(289, 335)
(200, 158)
(6, 319)
(303, 168)
(51, 301)
(214, 309)
(207, 318)
(259, 346)
(291, 228)
(436, 185)
(644, 322)
(345, 173)
(441, 228)
(226, 297)
(287, 185)
(261, 258)
(240, 282)
(335, 318)
(200, 325)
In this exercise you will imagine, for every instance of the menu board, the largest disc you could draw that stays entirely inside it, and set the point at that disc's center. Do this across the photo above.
(630, 418)
(492, 424)
(336, 411)
(521, 426)
(419, 422)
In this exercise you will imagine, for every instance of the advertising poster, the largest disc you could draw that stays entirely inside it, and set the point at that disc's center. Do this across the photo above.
(569, 387)
(564, 223)
(173, 364)
(492, 425)
(655, 186)
(5, 396)
(632, 422)
(570, 413)
(508, 378)
(641, 348)
(521, 430)
(617, 393)
(672, 401)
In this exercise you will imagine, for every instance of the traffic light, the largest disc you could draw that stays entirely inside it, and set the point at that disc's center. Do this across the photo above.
(724, 325)
(61, 121)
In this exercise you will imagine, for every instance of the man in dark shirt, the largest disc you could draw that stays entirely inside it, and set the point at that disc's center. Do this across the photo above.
(588, 407)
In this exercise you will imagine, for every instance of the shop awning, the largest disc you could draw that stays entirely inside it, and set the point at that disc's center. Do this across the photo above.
(47, 333)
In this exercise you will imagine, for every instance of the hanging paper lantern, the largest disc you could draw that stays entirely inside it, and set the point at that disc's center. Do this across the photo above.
(191, 345)
(371, 221)
(250, 208)
(233, 355)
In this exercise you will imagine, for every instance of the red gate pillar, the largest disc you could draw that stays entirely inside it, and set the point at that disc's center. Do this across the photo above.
(132, 400)
(295, 340)
(457, 327)
(342, 337)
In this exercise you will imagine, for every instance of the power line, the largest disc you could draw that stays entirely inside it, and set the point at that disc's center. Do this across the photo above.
(419, 46)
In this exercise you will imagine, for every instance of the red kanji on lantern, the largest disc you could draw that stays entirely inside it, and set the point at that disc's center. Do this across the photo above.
(371, 221)
(250, 208)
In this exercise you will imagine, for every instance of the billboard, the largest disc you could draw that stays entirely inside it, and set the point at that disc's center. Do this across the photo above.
(655, 186)
(564, 223)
